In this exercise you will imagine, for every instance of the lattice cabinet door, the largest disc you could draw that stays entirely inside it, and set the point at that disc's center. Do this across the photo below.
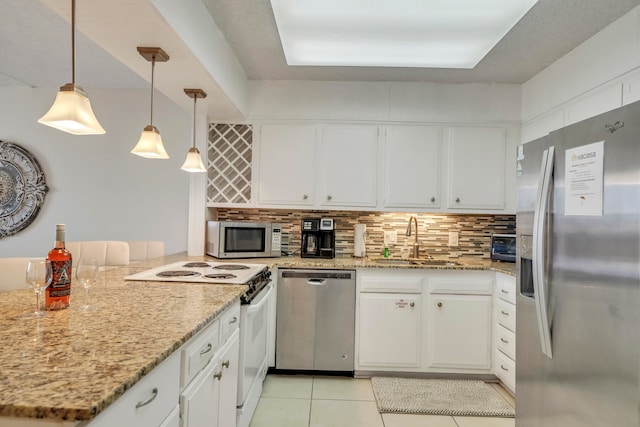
(229, 155)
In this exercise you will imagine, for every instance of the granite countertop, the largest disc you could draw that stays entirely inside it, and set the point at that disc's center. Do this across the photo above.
(465, 263)
(70, 365)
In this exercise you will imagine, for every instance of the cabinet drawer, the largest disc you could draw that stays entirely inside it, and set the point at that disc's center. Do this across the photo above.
(506, 341)
(506, 371)
(506, 315)
(391, 284)
(149, 402)
(229, 321)
(506, 288)
(198, 351)
(474, 284)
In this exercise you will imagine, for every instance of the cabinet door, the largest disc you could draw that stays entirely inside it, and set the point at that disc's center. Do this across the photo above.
(287, 164)
(389, 330)
(477, 168)
(199, 401)
(349, 165)
(412, 166)
(229, 382)
(459, 331)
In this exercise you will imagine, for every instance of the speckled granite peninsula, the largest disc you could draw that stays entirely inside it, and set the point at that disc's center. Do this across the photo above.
(71, 365)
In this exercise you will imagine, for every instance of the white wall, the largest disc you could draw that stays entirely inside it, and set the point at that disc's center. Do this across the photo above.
(586, 81)
(96, 187)
(479, 103)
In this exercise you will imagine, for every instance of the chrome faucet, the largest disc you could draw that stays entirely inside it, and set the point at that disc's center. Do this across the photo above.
(416, 246)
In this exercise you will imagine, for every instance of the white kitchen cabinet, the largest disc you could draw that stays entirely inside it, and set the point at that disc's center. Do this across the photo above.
(390, 330)
(505, 332)
(199, 401)
(476, 168)
(287, 164)
(229, 381)
(349, 165)
(149, 402)
(412, 173)
(459, 331)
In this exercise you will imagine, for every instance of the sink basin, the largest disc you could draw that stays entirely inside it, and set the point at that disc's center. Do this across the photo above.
(425, 262)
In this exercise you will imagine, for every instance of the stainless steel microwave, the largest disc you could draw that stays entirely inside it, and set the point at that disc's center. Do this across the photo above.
(226, 239)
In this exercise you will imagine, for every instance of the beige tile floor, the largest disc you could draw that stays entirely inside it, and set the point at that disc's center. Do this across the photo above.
(306, 401)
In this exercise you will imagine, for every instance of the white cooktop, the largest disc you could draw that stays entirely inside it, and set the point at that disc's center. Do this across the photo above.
(198, 272)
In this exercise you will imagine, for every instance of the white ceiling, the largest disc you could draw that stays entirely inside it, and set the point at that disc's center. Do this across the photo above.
(35, 46)
(548, 31)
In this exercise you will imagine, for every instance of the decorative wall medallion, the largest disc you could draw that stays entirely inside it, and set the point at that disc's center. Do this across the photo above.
(22, 188)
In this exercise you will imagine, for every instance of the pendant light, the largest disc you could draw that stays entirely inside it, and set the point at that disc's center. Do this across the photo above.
(71, 111)
(193, 162)
(150, 143)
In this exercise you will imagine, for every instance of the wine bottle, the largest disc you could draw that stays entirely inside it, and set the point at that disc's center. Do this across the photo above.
(58, 293)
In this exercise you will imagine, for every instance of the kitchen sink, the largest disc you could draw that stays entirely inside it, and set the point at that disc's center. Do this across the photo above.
(424, 262)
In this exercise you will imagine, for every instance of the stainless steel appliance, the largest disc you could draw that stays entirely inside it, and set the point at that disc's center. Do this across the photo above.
(318, 238)
(315, 320)
(254, 315)
(226, 239)
(578, 255)
(503, 247)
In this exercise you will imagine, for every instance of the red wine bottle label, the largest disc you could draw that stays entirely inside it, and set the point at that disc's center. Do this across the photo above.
(61, 283)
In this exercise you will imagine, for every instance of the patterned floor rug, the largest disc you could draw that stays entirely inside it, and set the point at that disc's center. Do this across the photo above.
(439, 397)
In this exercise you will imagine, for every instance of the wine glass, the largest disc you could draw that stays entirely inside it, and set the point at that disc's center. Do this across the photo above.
(39, 275)
(86, 273)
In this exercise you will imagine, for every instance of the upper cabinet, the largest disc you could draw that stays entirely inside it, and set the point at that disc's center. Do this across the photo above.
(412, 159)
(286, 163)
(477, 168)
(404, 167)
(349, 165)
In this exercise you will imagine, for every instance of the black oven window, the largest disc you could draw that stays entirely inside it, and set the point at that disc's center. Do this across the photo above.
(243, 239)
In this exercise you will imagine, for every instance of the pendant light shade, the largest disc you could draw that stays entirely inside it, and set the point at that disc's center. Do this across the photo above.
(150, 143)
(71, 111)
(193, 162)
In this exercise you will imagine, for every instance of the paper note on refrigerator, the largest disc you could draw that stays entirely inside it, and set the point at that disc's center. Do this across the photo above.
(584, 172)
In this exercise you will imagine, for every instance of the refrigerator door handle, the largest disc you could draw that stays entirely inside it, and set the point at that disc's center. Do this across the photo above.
(545, 183)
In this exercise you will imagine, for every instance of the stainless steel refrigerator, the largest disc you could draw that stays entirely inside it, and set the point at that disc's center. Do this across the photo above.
(578, 261)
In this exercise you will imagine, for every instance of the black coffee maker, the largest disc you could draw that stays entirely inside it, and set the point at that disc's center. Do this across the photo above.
(318, 238)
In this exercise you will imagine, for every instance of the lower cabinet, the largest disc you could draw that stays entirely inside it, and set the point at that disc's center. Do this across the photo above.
(505, 327)
(210, 399)
(459, 331)
(411, 320)
(390, 330)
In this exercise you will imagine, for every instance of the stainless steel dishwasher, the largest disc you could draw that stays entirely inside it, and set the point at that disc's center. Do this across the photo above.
(315, 319)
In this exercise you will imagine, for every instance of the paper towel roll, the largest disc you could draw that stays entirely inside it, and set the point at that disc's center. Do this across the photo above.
(359, 241)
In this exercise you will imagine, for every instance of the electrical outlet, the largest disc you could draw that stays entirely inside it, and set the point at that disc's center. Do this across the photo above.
(453, 239)
(390, 237)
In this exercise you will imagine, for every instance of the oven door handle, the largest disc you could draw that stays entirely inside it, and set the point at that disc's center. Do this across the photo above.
(257, 305)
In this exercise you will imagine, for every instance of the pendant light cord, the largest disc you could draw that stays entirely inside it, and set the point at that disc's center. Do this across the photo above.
(73, 42)
(153, 65)
(195, 98)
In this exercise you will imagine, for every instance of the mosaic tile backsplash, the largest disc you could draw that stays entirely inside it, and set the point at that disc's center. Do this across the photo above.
(474, 230)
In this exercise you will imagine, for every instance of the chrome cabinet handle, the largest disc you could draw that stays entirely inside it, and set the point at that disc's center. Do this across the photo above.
(457, 199)
(503, 368)
(148, 400)
(412, 304)
(504, 341)
(439, 304)
(234, 320)
(503, 291)
(433, 199)
(305, 197)
(225, 364)
(218, 375)
(206, 350)
(504, 312)
(329, 197)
